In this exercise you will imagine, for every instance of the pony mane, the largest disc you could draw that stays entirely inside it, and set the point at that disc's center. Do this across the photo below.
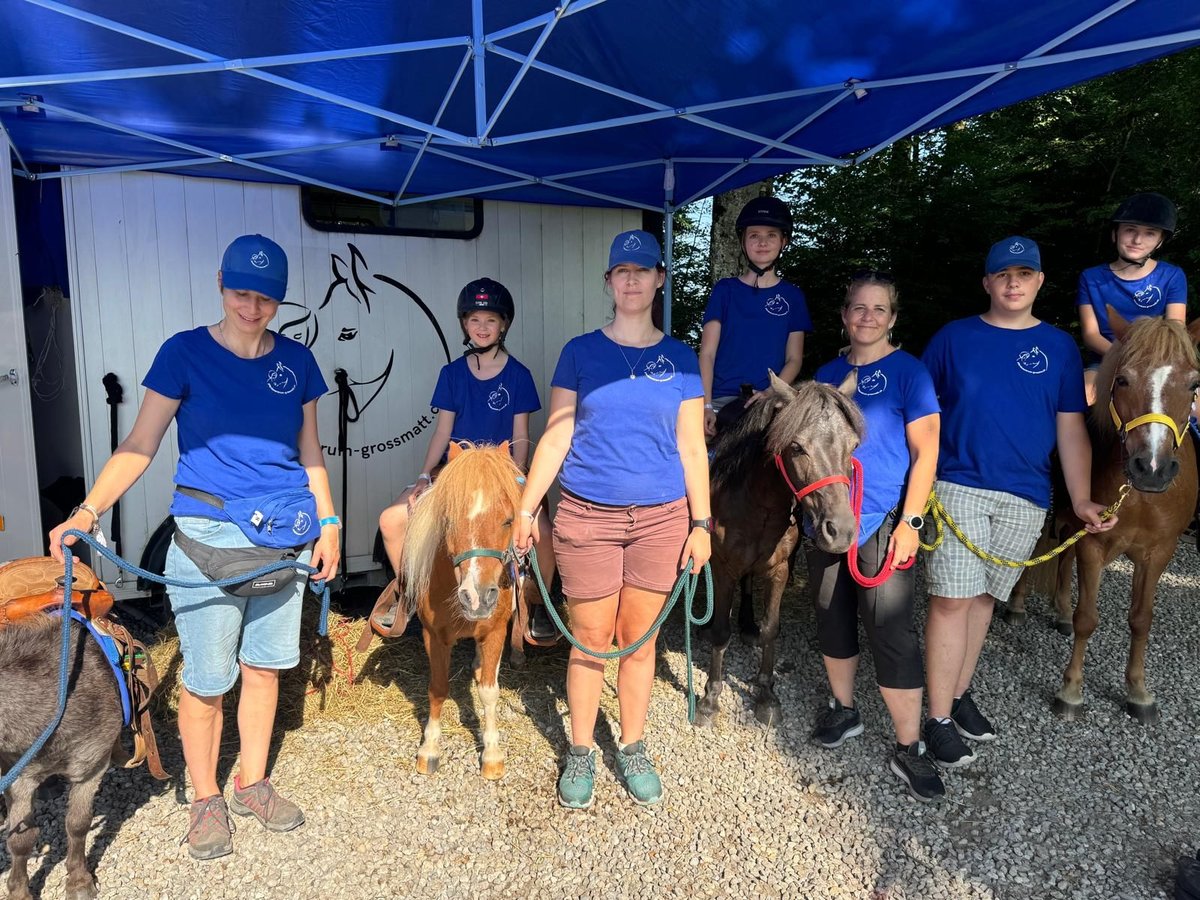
(1149, 343)
(481, 467)
(767, 430)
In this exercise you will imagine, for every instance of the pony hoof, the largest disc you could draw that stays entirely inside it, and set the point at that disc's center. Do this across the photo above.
(428, 765)
(1066, 629)
(1068, 712)
(768, 712)
(83, 892)
(704, 718)
(1014, 616)
(516, 660)
(1143, 713)
(492, 771)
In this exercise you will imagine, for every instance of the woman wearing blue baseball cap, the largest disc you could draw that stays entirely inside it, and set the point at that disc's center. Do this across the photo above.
(250, 484)
(626, 427)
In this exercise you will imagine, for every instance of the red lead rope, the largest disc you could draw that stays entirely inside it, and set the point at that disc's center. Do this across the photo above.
(856, 498)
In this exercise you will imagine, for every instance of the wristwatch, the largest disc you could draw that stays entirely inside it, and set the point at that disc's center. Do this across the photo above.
(706, 524)
(915, 522)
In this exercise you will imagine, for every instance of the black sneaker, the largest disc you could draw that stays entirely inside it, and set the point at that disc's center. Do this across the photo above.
(836, 725)
(913, 766)
(969, 721)
(945, 746)
(541, 626)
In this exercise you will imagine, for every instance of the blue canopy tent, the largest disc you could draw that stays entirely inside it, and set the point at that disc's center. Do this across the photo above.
(609, 102)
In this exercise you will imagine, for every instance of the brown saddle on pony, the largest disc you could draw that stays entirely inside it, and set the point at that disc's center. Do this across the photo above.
(34, 585)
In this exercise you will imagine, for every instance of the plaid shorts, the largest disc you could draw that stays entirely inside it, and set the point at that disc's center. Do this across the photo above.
(997, 522)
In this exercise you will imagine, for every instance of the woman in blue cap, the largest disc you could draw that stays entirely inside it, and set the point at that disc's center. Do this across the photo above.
(626, 427)
(250, 474)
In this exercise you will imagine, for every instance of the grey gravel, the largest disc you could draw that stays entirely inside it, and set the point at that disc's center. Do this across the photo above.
(1100, 808)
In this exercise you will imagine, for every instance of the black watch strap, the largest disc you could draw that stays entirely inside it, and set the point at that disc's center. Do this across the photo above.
(706, 524)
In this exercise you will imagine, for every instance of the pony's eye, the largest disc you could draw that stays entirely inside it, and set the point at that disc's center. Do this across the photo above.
(1121, 381)
(798, 450)
(1195, 386)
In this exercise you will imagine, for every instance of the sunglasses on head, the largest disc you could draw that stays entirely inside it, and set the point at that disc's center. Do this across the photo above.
(875, 275)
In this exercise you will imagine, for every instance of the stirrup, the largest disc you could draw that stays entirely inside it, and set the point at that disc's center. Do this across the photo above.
(546, 638)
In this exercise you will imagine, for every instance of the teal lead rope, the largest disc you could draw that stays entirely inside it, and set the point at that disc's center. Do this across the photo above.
(686, 584)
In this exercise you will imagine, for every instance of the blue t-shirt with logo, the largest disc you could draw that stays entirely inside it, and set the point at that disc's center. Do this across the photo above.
(755, 325)
(1001, 390)
(892, 392)
(624, 451)
(1146, 296)
(484, 409)
(238, 419)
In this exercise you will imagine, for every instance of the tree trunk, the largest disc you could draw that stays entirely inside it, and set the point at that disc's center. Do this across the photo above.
(725, 253)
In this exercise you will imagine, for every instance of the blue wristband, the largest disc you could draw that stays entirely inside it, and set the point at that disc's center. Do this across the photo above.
(330, 520)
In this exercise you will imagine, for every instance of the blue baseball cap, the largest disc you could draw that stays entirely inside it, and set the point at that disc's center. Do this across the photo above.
(255, 263)
(637, 248)
(1014, 250)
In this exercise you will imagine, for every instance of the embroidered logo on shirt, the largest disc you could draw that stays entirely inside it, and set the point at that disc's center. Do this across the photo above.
(498, 399)
(777, 306)
(302, 524)
(259, 260)
(661, 369)
(1148, 297)
(1033, 361)
(281, 379)
(632, 243)
(873, 384)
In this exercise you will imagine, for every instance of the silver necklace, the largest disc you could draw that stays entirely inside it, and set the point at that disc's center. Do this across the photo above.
(633, 368)
(225, 343)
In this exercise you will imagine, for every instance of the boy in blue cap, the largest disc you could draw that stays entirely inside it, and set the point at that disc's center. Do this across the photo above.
(1011, 389)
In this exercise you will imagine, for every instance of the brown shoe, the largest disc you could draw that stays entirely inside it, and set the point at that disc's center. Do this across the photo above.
(262, 801)
(210, 834)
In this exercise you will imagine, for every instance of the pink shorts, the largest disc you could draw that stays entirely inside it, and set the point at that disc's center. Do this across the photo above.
(601, 548)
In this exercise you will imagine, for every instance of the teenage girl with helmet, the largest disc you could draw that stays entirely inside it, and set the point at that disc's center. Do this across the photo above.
(484, 396)
(755, 322)
(1135, 284)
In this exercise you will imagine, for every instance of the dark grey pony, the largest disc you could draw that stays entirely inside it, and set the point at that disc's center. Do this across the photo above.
(814, 428)
(81, 749)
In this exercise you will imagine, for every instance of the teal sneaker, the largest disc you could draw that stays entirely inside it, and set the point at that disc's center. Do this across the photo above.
(577, 783)
(637, 771)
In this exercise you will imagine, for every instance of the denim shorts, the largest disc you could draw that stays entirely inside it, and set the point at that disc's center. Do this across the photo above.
(217, 629)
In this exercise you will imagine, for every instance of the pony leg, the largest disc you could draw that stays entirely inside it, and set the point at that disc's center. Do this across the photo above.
(1014, 609)
(719, 633)
(746, 624)
(1062, 593)
(1139, 702)
(22, 835)
(81, 885)
(487, 679)
(1069, 699)
(766, 705)
(519, 624)
(429, 755)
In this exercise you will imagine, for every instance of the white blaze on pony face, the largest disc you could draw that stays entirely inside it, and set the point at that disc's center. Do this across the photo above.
(478, 506)
(1158, 431)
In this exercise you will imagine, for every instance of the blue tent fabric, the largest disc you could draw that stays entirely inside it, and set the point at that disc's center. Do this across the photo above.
(610, 102)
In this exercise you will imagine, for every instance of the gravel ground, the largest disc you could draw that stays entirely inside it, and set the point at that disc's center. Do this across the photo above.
(1100, 808)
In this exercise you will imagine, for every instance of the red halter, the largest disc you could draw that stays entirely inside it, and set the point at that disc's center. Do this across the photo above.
(856, 498)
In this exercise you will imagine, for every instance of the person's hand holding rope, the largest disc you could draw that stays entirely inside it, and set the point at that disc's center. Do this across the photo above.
(1091, 514)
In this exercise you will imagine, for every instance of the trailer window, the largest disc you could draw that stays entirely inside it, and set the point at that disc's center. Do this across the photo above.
(458, 218)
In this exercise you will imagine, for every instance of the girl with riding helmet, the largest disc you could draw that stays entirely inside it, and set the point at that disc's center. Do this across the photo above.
(484, 396)
(626, 428)
(898, 457)
(756, 322)
(1135, 284)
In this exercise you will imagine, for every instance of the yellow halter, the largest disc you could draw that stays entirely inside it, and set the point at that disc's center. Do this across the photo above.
(1124, 428)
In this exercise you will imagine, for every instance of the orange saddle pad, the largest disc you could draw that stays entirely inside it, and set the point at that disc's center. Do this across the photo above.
(33, 584)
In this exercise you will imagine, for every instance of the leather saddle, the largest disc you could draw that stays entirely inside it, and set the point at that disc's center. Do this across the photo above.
(35, 585)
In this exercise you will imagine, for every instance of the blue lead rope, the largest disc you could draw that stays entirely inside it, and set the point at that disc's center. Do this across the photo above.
(65, 654)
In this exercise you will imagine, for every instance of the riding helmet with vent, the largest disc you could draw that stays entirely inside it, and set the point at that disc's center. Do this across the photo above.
(770, 212)
(486, 295)
(1148, 208)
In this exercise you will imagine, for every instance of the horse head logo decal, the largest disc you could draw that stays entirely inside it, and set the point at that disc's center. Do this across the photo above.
(660, 369)
(498, 399)
(260, 260)
(633, 242)
(1033, 361)
(281, 379)
(873, 384)
(777, 306)
(1148, 297)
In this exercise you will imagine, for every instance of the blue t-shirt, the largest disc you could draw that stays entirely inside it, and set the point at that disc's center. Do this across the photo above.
(624, 451)
(484, 409)
(892, 392)
(238, 419)
(1001, 390)
(755, 325)
(1147, 296)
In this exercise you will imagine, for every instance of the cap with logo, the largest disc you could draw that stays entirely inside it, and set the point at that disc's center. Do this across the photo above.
(255, 263)
(1014, 250)
(637, 248)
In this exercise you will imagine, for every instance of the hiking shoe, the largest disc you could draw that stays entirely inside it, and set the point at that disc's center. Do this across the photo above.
(577, 783)
(913, 766)
(636, 769)
(541, 626)
(210, 833)
(262, 801)
(836, 725)
(969, 721)
(945, 746)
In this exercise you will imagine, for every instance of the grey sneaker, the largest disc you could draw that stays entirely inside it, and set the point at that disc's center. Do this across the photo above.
(577, 783)
(262, 801)
(637, 771)
(210, 833)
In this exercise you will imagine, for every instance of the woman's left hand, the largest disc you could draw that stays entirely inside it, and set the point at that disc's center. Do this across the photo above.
(327, 553)
(698, 549)
(903, 545)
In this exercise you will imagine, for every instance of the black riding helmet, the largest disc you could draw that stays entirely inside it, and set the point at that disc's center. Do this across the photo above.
(485, 295)
(768, 212)
(1150, 209)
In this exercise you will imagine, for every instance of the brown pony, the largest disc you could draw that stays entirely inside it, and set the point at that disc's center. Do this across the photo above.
(811, 429)
(458, 572)
(1138, 427)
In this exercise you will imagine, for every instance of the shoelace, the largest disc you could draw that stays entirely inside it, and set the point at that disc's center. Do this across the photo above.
(261, 795)
(638, 764)
(921, 765)
(212, 809)
(577, 767)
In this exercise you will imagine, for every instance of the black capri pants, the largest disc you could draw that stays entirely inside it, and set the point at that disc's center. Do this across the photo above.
(886, 611)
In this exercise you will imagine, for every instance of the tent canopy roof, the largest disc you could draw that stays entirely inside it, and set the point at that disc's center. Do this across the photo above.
(613, 102)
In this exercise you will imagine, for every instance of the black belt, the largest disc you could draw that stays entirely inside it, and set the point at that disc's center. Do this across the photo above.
(202, 496)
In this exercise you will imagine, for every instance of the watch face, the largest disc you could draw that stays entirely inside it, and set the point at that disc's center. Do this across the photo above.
(915, 522)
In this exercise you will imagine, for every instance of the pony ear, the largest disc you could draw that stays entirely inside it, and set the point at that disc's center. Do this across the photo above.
(1116, 322)
(849, 384)
(784, 392)
(453, 451)
(504, 446)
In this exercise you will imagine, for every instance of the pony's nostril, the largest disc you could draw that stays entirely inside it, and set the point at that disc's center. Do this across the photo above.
(490, 596)
(1171, 469)
(830, 528)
